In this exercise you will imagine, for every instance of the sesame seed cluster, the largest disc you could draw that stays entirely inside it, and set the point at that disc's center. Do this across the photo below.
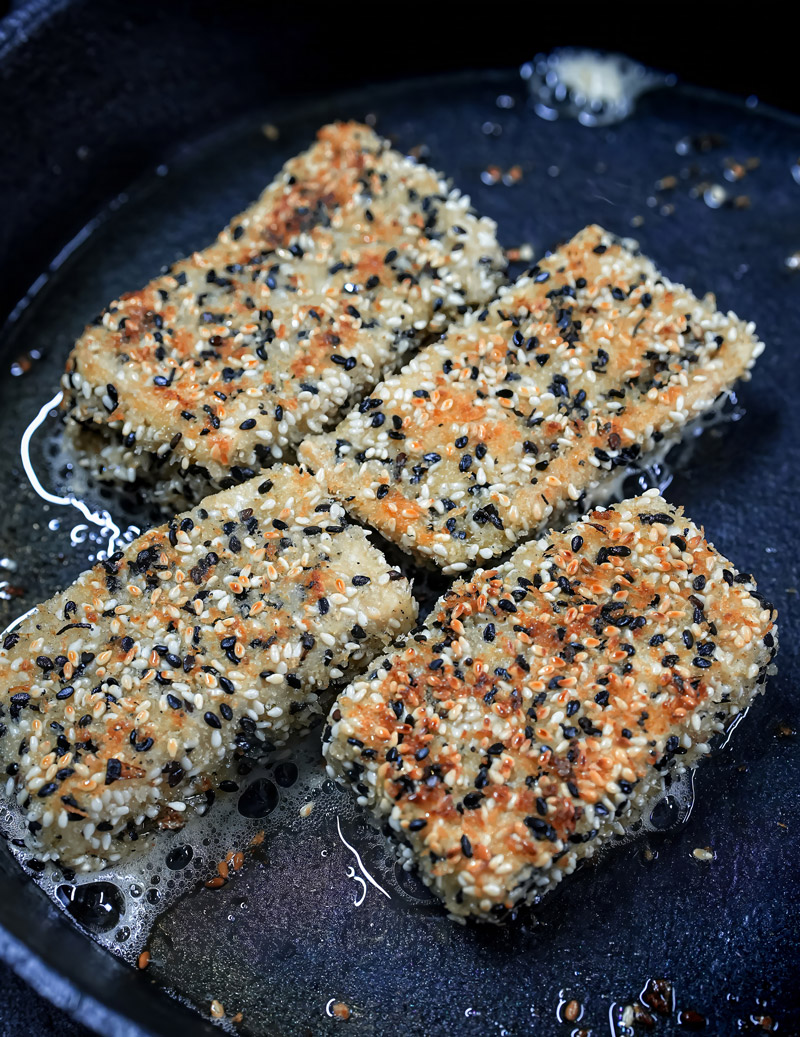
(525, 413)
(210, 638)
(351, 257)
(544, 700)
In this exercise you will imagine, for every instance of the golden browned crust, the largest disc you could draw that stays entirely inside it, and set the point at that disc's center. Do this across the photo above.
(525, 412)
(220, 366)
(543, 699)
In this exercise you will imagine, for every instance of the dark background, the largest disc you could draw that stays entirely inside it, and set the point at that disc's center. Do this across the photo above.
(253, 54)
(72, 62)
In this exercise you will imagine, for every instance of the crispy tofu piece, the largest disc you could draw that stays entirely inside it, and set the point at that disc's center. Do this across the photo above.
(207, 638)
(353, 256)
(527, 413)
(544, 700)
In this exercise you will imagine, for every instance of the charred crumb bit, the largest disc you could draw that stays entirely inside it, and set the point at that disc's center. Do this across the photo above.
(521, 254)
(542, 702)
(659, 995)
(689, 1019)
(641, 1017)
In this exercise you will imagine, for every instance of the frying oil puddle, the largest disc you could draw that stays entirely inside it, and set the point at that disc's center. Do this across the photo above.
(108, 528)
(351, 873)
(119, 905)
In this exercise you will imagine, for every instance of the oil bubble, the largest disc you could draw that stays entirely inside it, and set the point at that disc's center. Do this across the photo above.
(179, 857)
(258, 799)
(96, 906)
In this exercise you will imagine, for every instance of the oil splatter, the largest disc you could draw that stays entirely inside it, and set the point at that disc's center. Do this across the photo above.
(595, 88)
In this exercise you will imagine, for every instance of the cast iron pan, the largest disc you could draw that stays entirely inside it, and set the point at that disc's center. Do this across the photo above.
(320, 914)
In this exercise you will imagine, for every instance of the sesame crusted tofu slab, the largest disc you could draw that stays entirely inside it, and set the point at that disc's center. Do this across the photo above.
(529, 412)
(350, 258)
(543, 701)
(208, 638)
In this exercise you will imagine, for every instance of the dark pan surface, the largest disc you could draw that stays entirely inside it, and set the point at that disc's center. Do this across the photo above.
(285, 937)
